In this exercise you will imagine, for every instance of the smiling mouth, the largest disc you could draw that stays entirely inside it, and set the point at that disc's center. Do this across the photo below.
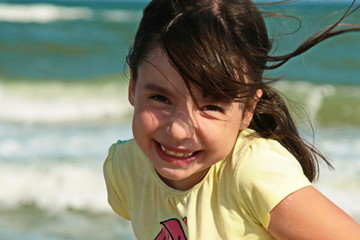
(176, 154)
(178, 157)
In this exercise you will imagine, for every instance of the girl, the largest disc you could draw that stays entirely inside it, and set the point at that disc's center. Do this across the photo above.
(215, 153)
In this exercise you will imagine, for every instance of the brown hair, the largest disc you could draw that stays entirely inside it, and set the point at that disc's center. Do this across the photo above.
(222, 47)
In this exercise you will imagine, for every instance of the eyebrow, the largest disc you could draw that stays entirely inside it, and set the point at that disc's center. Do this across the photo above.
(155, 87)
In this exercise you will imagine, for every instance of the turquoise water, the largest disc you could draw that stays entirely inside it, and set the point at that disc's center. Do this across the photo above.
(63, 102)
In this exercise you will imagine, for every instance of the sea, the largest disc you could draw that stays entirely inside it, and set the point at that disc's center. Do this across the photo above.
(63, 102)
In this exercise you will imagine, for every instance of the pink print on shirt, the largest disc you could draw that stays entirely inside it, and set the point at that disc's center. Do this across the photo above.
(172, 230)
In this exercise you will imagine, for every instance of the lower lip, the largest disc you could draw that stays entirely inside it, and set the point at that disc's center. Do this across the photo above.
(179, 161)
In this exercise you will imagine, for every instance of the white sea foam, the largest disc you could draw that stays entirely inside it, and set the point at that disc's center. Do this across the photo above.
(54, 188)
(50, 144)
(342, 186)
(47, 13)
(311, 95)
(54, 104)
(42, 13)
(61, 110)
(68, 186)
(121, 16)
(315, 99)
(9, 146)
(62, 166)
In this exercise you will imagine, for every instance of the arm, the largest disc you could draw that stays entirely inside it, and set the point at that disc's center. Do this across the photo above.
(115, 195)
(307, 214)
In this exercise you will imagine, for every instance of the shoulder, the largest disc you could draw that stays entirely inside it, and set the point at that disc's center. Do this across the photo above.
(117, 169)
(124, 158)
(123, 147)
(260, 160)
(265, 173)
(255, 155)
(124, 150)
(123, 170)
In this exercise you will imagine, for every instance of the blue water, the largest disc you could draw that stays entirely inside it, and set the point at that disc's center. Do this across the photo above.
(95, 38)
(63, 102)
(92, 42)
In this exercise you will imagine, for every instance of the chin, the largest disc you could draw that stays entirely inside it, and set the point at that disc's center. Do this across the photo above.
(172, 174)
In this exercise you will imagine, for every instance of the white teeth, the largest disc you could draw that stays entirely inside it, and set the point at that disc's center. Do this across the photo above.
(174, 154)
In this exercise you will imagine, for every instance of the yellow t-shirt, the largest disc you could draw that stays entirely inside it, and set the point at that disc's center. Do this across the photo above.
(233, 201)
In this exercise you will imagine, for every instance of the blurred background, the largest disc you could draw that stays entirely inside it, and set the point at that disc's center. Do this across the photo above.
(63, 102)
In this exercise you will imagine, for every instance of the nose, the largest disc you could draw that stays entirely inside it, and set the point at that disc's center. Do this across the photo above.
(180, 127)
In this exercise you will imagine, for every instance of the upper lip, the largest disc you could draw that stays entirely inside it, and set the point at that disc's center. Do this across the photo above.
(176, 154)
(177, 149)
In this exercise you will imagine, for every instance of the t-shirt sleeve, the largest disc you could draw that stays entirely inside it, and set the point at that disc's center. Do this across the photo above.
(267, 173)
(115, 197)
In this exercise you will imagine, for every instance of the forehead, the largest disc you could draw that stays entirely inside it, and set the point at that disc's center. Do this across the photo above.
(157, 68)
(156, 54)
(158, 64)
(157, 59)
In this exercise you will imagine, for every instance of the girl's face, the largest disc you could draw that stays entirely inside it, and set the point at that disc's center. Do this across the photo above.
(180, 139)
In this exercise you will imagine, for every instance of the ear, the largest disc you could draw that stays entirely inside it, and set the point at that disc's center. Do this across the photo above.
(131, 88)
(250, 109)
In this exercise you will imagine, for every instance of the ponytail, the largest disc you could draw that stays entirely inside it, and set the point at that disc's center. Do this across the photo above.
(272, 120)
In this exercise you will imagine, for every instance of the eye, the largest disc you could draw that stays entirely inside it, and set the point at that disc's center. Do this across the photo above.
(160, 98)
(213, 108)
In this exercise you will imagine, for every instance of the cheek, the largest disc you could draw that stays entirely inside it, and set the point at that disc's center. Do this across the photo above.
(143, 126)
(218, 133)
(220, 136)
(146, 121)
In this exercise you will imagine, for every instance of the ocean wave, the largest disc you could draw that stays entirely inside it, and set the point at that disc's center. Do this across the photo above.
(53, 188)
(342, 186)
(77, 143)
(64, 187)
(60, 102)
(61, 110)
(42, 13)
(57, 168)
(324, 104)
(47, 13)
(121, 16)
